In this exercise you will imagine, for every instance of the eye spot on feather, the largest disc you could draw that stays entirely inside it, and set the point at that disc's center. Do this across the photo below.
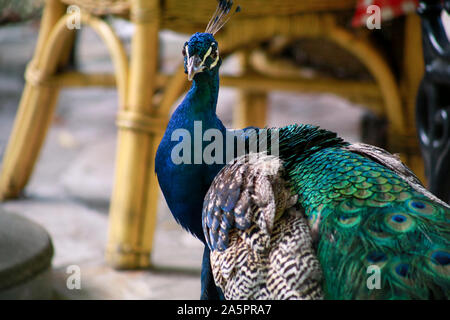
(402, 269)
(418, 205)
(399, 222)
(439, 261)
(376, 257)
(441, 258)
(398, 218)
(421, 207)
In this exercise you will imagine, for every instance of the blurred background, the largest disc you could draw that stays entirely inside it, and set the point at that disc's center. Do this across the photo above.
(70, 189)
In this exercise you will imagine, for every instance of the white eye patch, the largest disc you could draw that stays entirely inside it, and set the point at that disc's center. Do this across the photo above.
(206, 55)
(217, 59)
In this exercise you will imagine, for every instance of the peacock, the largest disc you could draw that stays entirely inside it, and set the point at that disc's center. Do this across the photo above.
(308, 217)
(184, 183)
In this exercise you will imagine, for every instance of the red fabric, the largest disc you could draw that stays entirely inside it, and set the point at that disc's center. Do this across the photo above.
(389, 9)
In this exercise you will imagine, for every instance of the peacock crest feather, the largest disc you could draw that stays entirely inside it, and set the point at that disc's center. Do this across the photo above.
(221, 16)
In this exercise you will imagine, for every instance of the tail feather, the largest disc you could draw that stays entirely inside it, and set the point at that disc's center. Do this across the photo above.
(371, 218)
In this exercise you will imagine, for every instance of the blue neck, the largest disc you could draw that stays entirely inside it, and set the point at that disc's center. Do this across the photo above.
(185, 185)
(202, 97)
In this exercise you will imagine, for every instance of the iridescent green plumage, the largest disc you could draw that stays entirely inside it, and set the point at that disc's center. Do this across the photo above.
(366, 214)
(369, 214)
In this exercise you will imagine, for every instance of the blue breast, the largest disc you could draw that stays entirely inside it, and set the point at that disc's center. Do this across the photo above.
(185, 185)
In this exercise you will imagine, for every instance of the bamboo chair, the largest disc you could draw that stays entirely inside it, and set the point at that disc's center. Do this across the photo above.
(141, 123)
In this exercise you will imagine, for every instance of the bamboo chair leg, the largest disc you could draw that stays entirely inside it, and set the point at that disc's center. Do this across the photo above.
(133, 203)
(33, 118)
(251, 110)
(252, 105)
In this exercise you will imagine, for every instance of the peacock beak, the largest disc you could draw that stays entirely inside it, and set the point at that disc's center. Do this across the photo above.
(194, 66)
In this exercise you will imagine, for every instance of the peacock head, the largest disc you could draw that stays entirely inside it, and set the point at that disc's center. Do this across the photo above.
(201, 52)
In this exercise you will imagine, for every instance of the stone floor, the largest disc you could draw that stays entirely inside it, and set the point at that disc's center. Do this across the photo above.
(69, 191)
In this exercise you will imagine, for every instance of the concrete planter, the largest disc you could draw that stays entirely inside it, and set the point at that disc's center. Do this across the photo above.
(26, 252)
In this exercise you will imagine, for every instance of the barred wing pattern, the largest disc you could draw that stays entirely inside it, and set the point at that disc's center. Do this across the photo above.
(261, 246)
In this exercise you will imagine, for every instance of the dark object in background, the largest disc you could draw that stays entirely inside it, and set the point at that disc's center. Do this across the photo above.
(433, 99)
(19, 10)
(374, 129)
